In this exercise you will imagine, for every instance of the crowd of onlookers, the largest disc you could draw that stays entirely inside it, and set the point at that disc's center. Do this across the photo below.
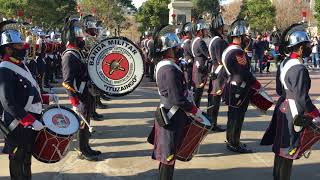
(263, 49)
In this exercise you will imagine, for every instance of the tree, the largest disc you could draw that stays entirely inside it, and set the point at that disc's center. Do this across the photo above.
(9, 9)
(111, 12)
(152, 14)
(260, 14)
(47, 13)
(202, 7)
(50, 13)
(231, 11)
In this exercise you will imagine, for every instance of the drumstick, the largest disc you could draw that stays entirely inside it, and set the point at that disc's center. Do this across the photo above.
(64, 118)
(78, 113)
(85, 121)
(267, 84)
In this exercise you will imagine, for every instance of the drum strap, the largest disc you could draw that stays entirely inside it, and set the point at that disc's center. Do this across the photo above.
(284, 68)
(185, 42)
(210, 45)
(78, 55)
(225, 53)
(192, 46)
(34, 108)
(163, 63)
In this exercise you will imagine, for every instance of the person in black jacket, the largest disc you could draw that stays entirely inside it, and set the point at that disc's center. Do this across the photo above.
(218, 76)
(201, 56)
(76, 82)
(238, 86)
(292, 84)
(22, 103)
(172, 90)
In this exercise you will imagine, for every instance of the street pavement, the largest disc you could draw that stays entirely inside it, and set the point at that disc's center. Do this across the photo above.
(126, 154)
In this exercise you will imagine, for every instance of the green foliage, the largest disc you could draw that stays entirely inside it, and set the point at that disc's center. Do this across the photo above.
(47, 13)
(153, 13)
(205, 6)
(260, 14)
(111, 12)
(317, 10)
(9, 9)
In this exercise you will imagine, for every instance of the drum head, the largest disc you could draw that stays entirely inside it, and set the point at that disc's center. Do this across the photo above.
(115, 66)
(61, 121)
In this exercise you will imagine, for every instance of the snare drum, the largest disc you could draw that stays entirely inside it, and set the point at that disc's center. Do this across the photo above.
(261, 100)
(52, 143)
(194, 133)
(308, 137)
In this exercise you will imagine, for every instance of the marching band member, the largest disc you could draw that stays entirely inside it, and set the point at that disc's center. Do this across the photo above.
(237, 88)
(91, 33)
(40, 55)
(217, 74)
(293, 85)
(172, 89)
(22, 103)
(187, 53)
(75, 80)
(201, 55)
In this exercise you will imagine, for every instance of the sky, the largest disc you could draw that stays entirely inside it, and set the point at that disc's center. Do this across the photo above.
(138, 3)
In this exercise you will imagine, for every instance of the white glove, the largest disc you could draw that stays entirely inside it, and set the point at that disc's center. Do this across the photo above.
(316, 121)
(54, 98)
(79, 109)
(37, 125)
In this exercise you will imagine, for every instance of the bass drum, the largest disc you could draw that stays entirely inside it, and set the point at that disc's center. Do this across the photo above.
(115, 66)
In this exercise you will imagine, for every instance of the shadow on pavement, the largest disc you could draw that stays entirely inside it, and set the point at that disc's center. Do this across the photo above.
(309, 171)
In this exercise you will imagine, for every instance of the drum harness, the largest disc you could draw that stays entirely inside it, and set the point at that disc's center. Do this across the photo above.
(220, 66)
(77, 54)
(223, 59)
(29, 107)
(173, 109)
(292, 104)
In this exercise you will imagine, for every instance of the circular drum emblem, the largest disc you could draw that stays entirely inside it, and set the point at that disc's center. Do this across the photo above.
(59, 121)
(115, 66)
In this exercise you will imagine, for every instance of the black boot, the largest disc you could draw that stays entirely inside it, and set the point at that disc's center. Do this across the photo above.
(84, 144)
(93, 152)
(241, 148)
(213, 111)
(166, 172)
(100, 105)
(97, 117)
(20, 165)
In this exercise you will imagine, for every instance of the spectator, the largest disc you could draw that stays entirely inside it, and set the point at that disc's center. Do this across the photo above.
(315, 52)
(259, 46)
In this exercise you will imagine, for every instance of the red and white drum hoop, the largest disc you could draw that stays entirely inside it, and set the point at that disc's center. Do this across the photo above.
(52, 143)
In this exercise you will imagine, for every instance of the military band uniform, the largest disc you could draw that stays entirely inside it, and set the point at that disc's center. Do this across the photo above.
(173, 92)
(188, 57)
(75, 80)
(216, 84)
(15, 90)
(236, 93)
(294, 100)
(173, 89)
(200, 67)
